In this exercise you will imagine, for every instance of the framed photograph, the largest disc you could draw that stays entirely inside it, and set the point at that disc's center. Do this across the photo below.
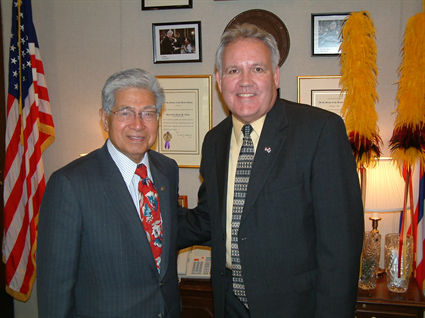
(183, 201)
(166, 4)
(185, 118)
(177, 42)
(325, 29)
(321, 91)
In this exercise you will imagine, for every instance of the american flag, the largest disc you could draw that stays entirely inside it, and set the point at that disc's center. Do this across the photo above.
(29, 131)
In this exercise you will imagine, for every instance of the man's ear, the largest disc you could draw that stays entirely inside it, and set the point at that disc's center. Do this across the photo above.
(218, 79)
(277, 76)
(104, 118)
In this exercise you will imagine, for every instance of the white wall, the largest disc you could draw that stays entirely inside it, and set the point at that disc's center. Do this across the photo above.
(84, 41)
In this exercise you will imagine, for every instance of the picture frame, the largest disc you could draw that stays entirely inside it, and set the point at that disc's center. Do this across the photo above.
(185, 118)
(321, 91)
(325, 33)
(183, 200)
(177, 42)
(166, 4)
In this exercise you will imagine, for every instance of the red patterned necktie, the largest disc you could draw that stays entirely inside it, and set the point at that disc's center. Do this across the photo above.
(150, 213)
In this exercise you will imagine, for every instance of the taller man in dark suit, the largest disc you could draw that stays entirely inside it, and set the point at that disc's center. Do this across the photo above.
(99, 229)
(286, 237)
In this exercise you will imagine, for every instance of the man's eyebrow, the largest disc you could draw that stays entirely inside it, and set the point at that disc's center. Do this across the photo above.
(153, 107)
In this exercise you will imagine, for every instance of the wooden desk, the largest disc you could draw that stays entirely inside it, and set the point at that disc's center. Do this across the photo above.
(381, 303)
(197, 298)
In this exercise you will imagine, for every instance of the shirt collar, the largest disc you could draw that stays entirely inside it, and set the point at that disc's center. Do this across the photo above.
(257, 126)
(126, 166)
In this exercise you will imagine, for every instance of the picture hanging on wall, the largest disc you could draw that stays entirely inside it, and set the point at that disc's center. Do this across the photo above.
(177, 42)
(166, 4)
(325, 30)
(185, 118)
(321, 91)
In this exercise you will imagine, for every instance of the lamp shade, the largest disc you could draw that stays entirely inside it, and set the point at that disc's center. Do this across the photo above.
(384, 187)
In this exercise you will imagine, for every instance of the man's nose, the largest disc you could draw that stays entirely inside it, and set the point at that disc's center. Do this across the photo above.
(137, 123)
(245, 79)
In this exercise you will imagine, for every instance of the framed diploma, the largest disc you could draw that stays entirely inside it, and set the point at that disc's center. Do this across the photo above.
(185, 118)
(321, 91)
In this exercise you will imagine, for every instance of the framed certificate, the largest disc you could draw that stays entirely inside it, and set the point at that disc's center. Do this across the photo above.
(321, 91)
(185, 118)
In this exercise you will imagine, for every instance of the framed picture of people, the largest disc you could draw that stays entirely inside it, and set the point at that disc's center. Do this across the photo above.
(325, 33)
(177, 42)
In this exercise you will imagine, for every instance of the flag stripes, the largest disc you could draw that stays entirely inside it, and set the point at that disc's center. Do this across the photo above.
(29, 131)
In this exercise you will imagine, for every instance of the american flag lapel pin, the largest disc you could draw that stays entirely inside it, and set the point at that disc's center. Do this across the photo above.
(268, 149)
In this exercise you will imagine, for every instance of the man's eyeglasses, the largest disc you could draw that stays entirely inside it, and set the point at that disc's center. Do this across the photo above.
(127, 115)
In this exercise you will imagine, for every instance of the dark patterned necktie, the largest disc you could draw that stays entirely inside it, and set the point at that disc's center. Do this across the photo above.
(243, 172)
(150, 213)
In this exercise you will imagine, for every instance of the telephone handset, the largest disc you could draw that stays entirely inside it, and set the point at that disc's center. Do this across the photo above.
(194, 262)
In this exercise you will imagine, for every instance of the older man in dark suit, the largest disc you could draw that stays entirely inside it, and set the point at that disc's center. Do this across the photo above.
(280, 198)
(107, 228)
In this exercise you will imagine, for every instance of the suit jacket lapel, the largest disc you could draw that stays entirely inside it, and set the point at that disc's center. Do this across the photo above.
(271, 141)
(116, 194)
(162, 187)
(222, 147)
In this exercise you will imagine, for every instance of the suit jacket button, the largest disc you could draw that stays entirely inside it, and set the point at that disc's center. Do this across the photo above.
(161, 284)
(160, 316)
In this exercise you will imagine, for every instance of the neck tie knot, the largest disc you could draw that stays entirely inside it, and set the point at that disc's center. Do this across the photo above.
(141, 171)
(247, 129)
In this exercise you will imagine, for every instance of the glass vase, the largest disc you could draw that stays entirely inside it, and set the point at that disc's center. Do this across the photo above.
(398, 276)
(370, 260)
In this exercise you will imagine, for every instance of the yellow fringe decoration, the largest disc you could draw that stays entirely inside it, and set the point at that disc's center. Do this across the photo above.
(358, 81)
(408, 140)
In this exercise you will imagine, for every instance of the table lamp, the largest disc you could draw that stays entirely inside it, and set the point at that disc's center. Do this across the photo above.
(384, 193)
(384, 190)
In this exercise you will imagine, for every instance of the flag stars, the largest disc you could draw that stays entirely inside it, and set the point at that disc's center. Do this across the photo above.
(16, 86)
(13, 48)
(15, 73)
(13, 61)
(29, 63)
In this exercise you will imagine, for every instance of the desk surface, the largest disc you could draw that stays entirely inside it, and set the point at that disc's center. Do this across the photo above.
(413, 297)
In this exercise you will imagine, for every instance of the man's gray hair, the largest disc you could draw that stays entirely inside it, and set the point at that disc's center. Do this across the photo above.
(132, 78)
(242, 32)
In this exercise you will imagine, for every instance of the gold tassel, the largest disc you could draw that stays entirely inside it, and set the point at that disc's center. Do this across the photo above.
(408, 140)
(358, 81)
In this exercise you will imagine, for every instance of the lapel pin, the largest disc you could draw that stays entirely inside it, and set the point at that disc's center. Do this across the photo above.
(162, 189)
(268, 149)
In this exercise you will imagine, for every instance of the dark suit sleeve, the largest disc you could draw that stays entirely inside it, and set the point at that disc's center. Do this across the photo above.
(194, 224)
(339, 221)
(58, 250)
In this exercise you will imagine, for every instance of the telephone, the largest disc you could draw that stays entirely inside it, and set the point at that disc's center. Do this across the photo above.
(194, 262)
